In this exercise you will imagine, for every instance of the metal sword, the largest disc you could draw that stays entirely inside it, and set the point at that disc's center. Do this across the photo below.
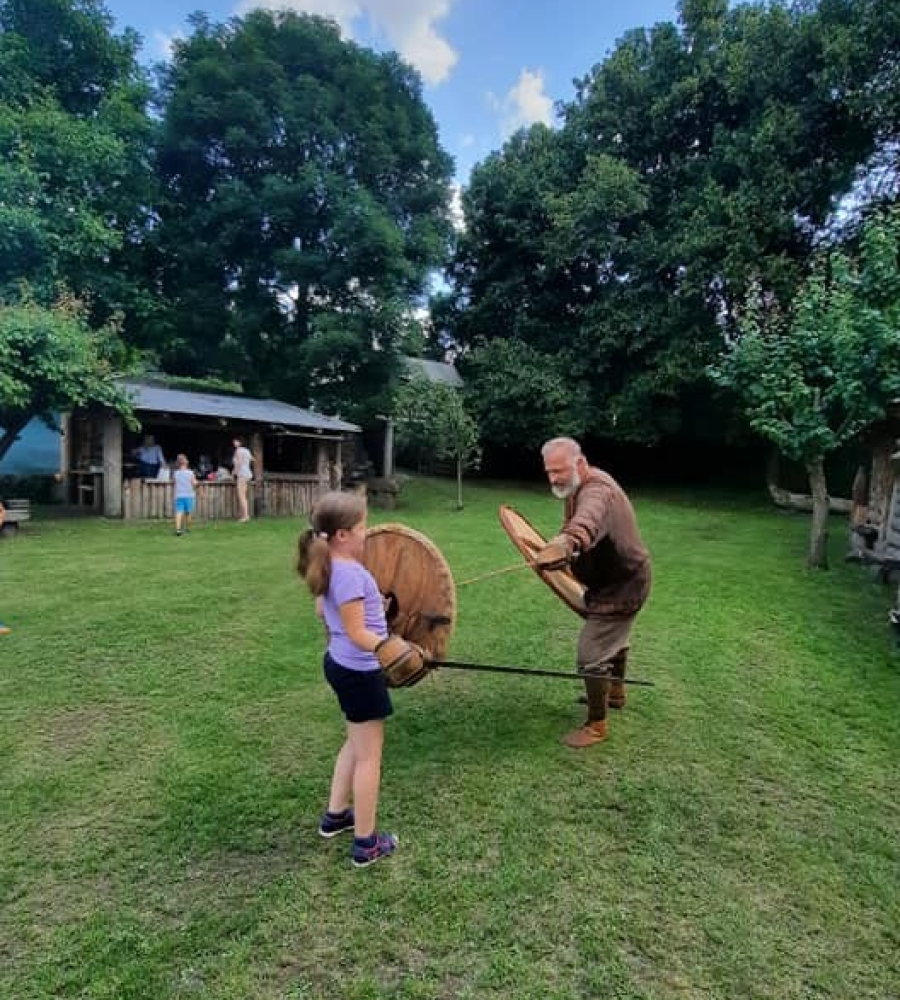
(580, 675)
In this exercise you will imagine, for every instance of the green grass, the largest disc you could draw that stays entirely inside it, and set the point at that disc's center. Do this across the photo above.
(166, 742)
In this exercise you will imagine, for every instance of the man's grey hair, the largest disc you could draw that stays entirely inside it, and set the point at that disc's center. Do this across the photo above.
(569, 445)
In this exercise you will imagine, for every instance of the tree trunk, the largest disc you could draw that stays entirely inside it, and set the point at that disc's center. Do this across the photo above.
(459, 471)
(10, 435)
(881, 483)
(818, 537)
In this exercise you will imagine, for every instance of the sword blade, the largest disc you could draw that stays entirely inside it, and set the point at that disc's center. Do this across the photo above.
(496, 668)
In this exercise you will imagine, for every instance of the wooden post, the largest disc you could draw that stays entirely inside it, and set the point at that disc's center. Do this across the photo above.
(336, 470)
(388, 462)
(61, 488)
(322, 464)
(112, 465)
(255, 492)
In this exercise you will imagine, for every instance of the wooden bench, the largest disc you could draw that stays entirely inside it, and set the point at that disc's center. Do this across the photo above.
(17, 511)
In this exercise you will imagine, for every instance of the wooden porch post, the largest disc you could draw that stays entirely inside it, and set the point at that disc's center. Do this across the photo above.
(61, 489)
(337, 471)
(258, 497)
(112, 465)
(388, 461)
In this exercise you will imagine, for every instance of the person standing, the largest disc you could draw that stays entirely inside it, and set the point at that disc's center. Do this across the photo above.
(185, 494)
(329, 558)
(240, 469)
(150, 458)
(601, 543)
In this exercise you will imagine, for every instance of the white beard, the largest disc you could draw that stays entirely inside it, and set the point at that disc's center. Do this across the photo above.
(564, 492)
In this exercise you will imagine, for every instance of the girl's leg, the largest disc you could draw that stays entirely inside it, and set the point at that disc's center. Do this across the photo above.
(178, 516)
(243, 507)
(342, 778)
(366, 740)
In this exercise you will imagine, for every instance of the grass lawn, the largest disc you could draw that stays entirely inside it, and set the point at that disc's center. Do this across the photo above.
(166, 742)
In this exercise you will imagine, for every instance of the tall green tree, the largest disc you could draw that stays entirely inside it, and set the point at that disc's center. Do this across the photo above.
(306, 199)
(76, 189)
(76, 183)
(814, 377)
(698, 157)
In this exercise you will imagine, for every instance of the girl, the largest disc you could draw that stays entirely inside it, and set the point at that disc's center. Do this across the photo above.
(185, 487)
(329, 558)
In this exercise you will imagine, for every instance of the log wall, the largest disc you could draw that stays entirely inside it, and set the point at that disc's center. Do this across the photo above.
(275, 496)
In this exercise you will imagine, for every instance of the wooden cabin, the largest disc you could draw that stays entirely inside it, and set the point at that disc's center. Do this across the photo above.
(297, 454)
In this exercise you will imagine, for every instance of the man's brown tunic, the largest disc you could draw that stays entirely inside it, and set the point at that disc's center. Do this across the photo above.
(611, 559)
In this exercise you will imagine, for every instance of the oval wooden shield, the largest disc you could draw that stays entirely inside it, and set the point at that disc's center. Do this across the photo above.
(528, 540)
(416, 582)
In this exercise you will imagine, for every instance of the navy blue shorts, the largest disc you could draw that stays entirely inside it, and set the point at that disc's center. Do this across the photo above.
(362, 694)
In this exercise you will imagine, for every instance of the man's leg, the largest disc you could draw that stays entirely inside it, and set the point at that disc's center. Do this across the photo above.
(617, 695)
(592, 648)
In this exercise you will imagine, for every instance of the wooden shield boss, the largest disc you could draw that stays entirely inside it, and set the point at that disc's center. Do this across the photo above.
(528, 540)
(416, 583)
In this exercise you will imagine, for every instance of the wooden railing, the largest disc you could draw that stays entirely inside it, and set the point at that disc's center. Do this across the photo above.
(276, 495)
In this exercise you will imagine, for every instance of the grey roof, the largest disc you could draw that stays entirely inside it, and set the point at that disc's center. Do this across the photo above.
(435, 371)
(146, 396)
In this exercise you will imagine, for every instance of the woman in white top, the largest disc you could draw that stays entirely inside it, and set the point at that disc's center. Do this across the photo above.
(240, 469)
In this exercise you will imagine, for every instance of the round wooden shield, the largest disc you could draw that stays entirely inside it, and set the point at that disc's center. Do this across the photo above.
(416, 582)
(528, 540)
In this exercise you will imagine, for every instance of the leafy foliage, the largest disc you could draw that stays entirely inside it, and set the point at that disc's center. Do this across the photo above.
(520, 396)
(697, 158)
(305, 201)
(76, 186)
(814, 378)
(431, 418)
(51, 361)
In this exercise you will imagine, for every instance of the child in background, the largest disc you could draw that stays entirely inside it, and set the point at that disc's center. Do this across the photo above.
(329, 558)
(185, 494)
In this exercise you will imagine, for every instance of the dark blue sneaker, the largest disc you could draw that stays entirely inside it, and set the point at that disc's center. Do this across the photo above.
(365, 853)
(334, 823)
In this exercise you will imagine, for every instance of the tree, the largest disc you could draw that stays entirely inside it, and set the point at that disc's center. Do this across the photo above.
(432, 418)
(814, 378)
(51, 361)
(521, 397)
(76, 187)
(696, 158)
(306, 200)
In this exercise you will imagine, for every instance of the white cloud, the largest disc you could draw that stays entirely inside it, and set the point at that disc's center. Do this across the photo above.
(524, 104)
(162, 42)
(467, 140)
(457, 217)
(409, 26)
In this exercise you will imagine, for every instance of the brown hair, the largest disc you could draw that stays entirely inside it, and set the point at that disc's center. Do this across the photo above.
(334, 512)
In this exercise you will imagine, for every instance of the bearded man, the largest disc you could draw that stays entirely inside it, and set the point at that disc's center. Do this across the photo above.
(601, 544)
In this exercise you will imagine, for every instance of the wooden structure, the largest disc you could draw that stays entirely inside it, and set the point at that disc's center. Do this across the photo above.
(15, 513)
(297, 454)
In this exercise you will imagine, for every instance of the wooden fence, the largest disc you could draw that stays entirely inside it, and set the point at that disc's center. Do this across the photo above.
(275, 496)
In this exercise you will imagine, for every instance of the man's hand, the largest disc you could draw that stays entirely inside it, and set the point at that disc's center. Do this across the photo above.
(556, 554)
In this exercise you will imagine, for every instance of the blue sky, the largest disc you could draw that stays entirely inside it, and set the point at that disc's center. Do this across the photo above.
(489, 66)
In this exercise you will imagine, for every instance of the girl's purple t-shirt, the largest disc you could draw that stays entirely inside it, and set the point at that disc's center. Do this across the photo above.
(351, 581)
